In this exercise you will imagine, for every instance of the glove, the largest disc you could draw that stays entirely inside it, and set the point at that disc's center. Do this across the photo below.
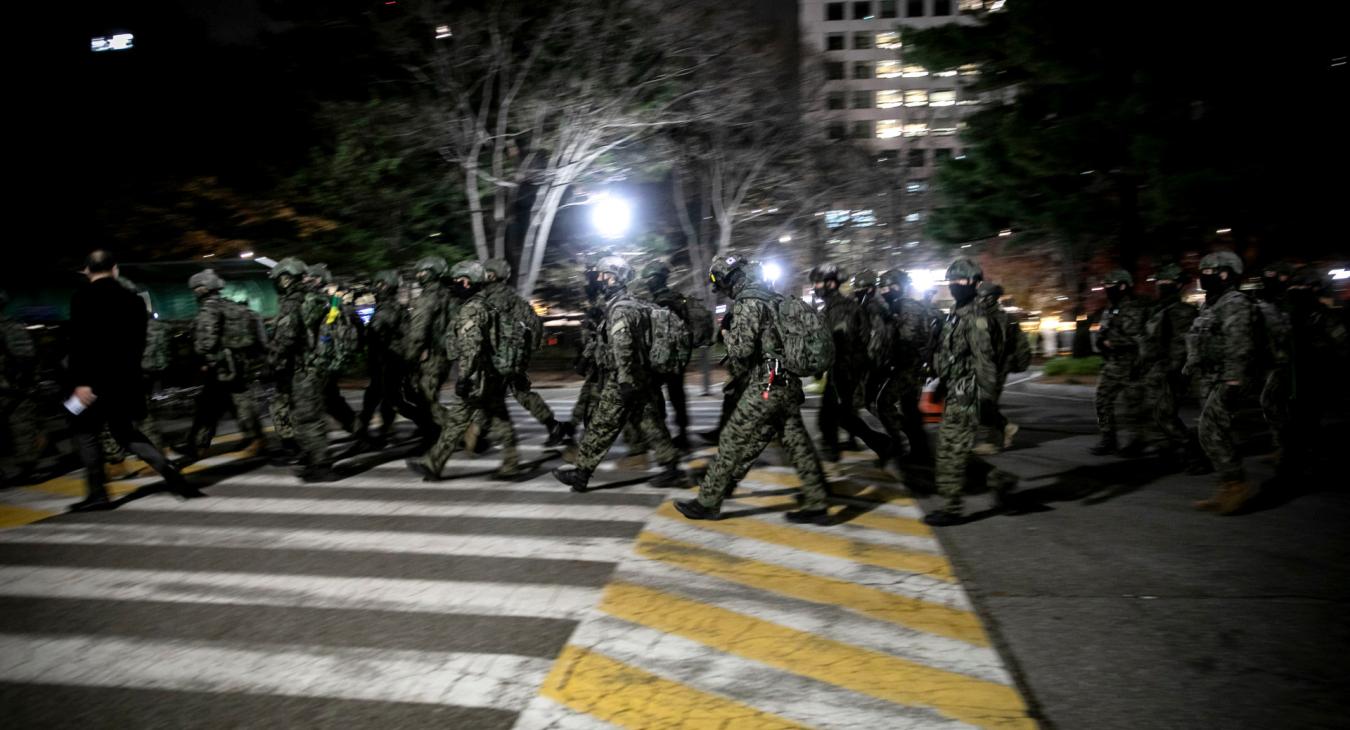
(463, 388)
(628, 391)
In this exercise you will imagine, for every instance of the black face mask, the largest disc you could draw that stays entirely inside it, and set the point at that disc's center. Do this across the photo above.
(464, 292)
(891, 296)
(1115, 293)
(962, 293)
(1271, 288)
(1213, 285)
(1168, 291)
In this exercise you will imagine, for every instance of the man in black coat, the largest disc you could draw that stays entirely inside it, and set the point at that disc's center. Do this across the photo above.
(107, 339)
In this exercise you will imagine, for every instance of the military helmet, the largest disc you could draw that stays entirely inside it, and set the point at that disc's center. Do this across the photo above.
(1118, 276)
(964, 268)
(895, 278)
(469, 269)
(617, 266)
(388, 277)
(320, 271)
(1222, 260)
(499, 269)
(1169, 272)
(656, 270)
(289, 265)
(722, 269)
(865, 279)
(434, 264)
(1279, 268)
(826, 271)
(207, 279)
(1309, 276)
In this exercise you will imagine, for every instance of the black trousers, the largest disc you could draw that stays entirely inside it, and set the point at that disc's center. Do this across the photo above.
(336, 405)
(837, 410)
(86, 428)
(674, 385)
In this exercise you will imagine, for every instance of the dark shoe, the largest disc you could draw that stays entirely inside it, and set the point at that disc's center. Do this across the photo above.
(944, 518)
(712, 436)
(557, 433)
(819, 516)
(576, 478)
(1133, 450)
(672, 478)
(850, 445)
(830, 454)
(189, 492)
(1199, 467)
(681, 442)
(507, 472)
(418, 467)
(1107, 446)
(694, 510)
(323, 473)
(91, 504)
(483, 445)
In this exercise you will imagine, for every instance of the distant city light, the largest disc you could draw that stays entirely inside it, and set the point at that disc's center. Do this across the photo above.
(207, 255)
(115, 42)
(1224, 231)
(246, 255)
(1339, 274)
(785, 238)
(1005, 232)
(611, 215)
(442, 32)
(772, 272)
(925, 279)
(965, 245)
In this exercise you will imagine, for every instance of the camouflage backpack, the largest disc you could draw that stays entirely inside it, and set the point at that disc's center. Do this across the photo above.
(808, 346)
(155, 358)
(700, 323)
(516, 334)
(339, 337)
(242, 329)
(669, 344)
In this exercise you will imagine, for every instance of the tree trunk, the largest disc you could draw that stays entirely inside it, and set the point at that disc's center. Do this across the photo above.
(537, 244)
(475, 209)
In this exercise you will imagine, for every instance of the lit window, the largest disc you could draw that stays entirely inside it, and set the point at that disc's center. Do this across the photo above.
(969, 102)
(116, 42)
(916, 97)
(443, 32)
(913, 71)
(971, 6)
(862, 41)
(970, 69)
(942, 97)
(834, 42)
(944, 131)
(888, 128)
(914, 186)
(914, 217)
(888, 39)
(862, 100)
(864, 218)
(916, 129)
(889, 98)
(946, 74)
(862, 70)
(836, 218)
(911, 244)
(888, 69)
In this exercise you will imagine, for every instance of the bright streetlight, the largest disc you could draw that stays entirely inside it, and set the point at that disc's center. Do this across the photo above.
(772, 272)
(611, 215)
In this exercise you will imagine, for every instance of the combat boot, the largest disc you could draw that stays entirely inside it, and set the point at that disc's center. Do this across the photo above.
(945, 517)
(818, 516)
(510, 467)
(576, 477)
(634, 462)
(558, 432)
(420, 468)
(1134, 449)
(694, 510)
(1108, 445)
(681, 441)
(1234, 495)
(318, 473)
(672, 478)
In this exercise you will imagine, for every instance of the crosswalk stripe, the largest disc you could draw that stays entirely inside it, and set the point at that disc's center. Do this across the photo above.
(798, 699)
(912, 613)
(310, 591)
(830, 621)
(852, 518)
(545, 714)
(826, 544)
(14, 516)
(433, 494)
(374, 508)
(543, 483)
(907, 683)
(397, 543)
(450, 678)
(625, 695)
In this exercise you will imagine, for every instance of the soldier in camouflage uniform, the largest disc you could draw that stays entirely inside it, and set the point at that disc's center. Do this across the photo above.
(502, 298)
(899, 348)
(1162, 355)
(625, 385)
(863, 287)
(587, 364)
(844, 317)
(299, 384)
(480, 391)
(430, 320)
(19, 432)
(964, 361)
(1317, 348)
(226, 373)
(332, 351)
(384, 360)
(655, 288)
(1118, 385)
(1274, 309)
(769, 407)
(1002, 328)
(1222, 353)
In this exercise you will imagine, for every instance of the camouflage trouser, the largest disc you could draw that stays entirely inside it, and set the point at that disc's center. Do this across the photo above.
(428, 376)
(217, 396)
(489, 411)
(897, 407)
(1216, 432)
(755, 422)
(1275, 404)
(1119, 394)
(298, 408)
(956, 438)
(607, 419)
(633, 434)
(590, 391)
(19, 433)
(530, 400)
(1162, 390)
